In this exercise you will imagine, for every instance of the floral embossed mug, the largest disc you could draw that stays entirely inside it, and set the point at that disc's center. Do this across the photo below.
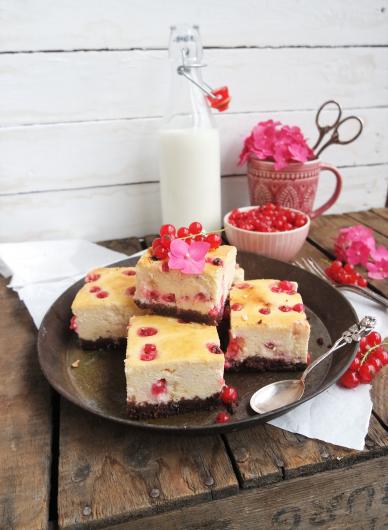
(294, 186)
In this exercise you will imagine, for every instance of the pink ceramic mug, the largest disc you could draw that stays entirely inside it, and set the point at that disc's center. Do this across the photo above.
(295, 186)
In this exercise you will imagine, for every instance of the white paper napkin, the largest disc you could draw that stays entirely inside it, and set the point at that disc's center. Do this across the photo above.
(42, 270)
(339, 416)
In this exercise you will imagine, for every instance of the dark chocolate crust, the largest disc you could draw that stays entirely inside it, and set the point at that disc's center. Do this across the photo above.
(104, 344)
(261, 364)
(141, 412)
(190, 316)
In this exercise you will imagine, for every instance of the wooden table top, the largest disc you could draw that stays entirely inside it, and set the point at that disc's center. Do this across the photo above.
(63, 467)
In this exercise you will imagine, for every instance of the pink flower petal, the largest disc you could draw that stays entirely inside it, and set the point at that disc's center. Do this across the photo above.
(198, 250)
(179, 248)
(379, 253)
(357, 253)
(193, 267)
(378, 270)
(177, 263)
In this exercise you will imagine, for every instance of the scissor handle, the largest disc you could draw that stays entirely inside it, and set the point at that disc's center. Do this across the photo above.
(324, 129)
(352, 138)
(327, 128)
(335, 137)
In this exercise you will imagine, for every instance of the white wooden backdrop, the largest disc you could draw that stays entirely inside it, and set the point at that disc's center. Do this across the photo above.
(83, 85)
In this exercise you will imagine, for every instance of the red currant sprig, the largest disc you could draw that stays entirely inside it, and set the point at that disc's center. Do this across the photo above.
(161, 245)
(370, 358)
(345, 274)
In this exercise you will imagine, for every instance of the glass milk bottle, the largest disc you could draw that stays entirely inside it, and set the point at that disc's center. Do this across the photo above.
(189, 145)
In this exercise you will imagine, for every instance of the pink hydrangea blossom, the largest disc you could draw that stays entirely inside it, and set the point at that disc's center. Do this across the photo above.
(271, 141)
(378, 270)
(358, 253)
(350, 235)
(189, 259)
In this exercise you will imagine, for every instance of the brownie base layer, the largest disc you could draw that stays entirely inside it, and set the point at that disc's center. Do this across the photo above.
(190, 315)
(160, 410)
(262, 364)
(103, 344)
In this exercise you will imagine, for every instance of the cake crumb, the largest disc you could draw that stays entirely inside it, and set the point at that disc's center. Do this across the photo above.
(75, 364)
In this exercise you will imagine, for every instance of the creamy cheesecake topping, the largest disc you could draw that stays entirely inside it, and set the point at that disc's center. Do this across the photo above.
(103, 306)
(169, 360)
(267, 319)
(203, 293)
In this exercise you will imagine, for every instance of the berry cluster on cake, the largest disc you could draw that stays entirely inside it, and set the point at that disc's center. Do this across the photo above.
(167, 309)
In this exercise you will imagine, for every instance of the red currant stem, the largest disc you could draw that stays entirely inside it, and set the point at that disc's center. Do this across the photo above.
(203, 233)
(366, 354)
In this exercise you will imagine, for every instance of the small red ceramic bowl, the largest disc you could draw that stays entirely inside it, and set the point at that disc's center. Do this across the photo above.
(279, 245)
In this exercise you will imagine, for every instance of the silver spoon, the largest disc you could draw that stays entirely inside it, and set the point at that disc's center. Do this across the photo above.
(281, 393)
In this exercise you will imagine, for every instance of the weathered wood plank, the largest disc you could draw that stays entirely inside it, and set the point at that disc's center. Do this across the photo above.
(128, 245)
(108, 473)
(379, 395)
(113, 152)
(342, 499)
(34, 25)
(48, 87)
(370, 219)
(25, 421)
(324, 230)
(115, 211)
(382, 212)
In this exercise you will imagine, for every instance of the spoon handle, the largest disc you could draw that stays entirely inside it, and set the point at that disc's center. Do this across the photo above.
(353, 334)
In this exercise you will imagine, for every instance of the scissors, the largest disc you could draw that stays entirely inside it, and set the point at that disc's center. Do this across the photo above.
(323, 130)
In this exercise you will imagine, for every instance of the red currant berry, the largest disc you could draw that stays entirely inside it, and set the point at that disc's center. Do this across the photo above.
(199, 237)
(382, 355)
(94, 289)
(160, 252)
(147, 332)
(195, 228)
(336, 265)
(366, 372)
(159, 387)
(375, 362)
(214, 240)
(264, 310)
(222, 417)
(361, 282)
(148, 353)
(300, 220)
(374, 338)
(355, 364)
(102, 294)
(298, 308)
(349, 379)
(363, 346)
(229, 395)
(349, 268)
(156, 242)
(236, 307)
(73, 323)
(183, 232)
(285, 308)
(166, 240)
(167, 230)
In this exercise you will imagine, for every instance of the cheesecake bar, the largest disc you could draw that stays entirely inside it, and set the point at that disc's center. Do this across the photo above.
(171, 366)
(268, 327)
(103, 306)
(195, 297)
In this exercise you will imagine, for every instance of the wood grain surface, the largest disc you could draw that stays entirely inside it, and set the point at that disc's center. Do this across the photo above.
(325, 228)
(106, 476)
(25, 421)
(344, 499)
(109, 473)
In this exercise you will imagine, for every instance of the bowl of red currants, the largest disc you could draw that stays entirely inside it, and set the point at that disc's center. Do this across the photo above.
(269, 230)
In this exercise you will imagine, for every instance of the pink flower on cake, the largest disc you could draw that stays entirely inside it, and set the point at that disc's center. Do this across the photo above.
(189, 259)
